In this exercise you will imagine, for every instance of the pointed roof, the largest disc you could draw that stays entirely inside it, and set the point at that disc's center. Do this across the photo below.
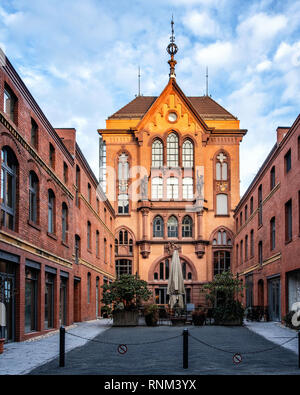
(205, 106)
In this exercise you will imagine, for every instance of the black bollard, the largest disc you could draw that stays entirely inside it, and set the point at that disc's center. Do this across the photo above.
(299, 349)
(62, 333)
(185, 348)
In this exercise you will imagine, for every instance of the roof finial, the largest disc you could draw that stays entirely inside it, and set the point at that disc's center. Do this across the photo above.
(206, 81)
(172, 49)
(139, 77)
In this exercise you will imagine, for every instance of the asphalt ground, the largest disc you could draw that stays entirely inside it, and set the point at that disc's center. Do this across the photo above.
(159, 351)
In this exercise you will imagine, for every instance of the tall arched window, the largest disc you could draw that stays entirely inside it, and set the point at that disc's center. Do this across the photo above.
(8, 188)
(88, 287)
(64, 222)
(172, 227)
(123, 176)
(172, 150)
(187, 188)
(158, 227)
(77, 185)
(222, 167)
(188, 154)
(157, 153)
(124, 243)
(51, 211)
(187, 226)
(77, 248)
(157, 188)
(33, 197)
(172, 188)
(221, 238)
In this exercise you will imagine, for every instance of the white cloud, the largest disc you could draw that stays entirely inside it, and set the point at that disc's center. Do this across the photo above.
(264, 66)
(217, 54)
(201, 24)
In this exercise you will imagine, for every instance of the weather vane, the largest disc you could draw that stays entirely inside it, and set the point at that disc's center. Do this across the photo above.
(172, 49)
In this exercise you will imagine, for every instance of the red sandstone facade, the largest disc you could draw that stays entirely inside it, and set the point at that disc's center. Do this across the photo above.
(267, 243)
(54, 220)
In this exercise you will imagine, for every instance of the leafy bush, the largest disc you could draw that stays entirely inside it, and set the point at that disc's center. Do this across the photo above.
(125, 293)
(231, 311)
(151, 314)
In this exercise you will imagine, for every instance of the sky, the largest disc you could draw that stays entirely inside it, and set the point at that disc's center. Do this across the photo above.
(80, 61)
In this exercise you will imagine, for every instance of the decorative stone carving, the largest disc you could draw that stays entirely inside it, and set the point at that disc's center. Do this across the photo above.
(170, 247)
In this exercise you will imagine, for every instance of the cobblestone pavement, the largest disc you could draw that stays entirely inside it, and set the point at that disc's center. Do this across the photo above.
(165, 357)
(22, 357)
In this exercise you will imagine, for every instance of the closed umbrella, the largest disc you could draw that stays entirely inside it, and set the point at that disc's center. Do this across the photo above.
(176, 284)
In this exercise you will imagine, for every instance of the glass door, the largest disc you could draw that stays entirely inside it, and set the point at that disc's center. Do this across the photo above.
(7, 297)
(274, 299)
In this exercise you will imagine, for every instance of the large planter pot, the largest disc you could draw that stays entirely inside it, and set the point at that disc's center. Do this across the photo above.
(236, 322)
(151, 320)
(178, 321)
(2, 345)
(125, 318)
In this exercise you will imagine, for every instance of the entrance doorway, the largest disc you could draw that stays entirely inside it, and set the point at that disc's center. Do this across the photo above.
(76, 301)
(274, 298)
(7, 297)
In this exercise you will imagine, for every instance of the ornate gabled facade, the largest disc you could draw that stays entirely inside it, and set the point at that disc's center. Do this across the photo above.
(172, 163)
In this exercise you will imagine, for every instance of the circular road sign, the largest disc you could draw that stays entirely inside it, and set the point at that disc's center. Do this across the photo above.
(122, 349)
(237, 358)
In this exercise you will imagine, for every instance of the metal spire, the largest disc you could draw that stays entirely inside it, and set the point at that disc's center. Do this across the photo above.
(172, 49)
(139, 77)
(206, 81)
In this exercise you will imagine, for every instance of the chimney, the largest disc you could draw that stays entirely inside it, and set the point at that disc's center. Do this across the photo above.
(281, 132)
(68, 137)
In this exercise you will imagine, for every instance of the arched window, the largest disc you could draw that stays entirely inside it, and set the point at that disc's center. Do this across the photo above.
(187, 226)
(124, 243)
(8, 188)
(33, 197)
(158, 227)
(221, 238)
(97, 243)
(64, 222)
(172, 188)
(123, 176)
(172, 150)
(77, 185)
(222, 204)
(188, 154)
(157, 188)
(187, 188)
(172, 227)
(222, 167)
(221, 262)
(162, 270)
(51, 211)
(88, 287)
(157, 153)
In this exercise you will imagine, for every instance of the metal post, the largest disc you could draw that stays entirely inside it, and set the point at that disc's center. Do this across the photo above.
(62, 333)
(299, 349)
(185, 348)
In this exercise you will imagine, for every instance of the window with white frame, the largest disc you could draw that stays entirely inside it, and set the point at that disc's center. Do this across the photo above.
(172, 188)
(188, 154)
(157, 188)
(172, 150)
(157, 153)
(222, 204)
(187, 188)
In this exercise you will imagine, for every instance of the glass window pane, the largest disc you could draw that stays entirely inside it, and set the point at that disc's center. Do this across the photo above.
(222, 204)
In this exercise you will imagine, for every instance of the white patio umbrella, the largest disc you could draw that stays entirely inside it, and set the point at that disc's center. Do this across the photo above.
(176, 284)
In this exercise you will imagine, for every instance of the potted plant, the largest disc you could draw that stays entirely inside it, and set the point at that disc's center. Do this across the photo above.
(151, 314)
(223, 293)
(198, 317)
(125, 294)
(106, 311)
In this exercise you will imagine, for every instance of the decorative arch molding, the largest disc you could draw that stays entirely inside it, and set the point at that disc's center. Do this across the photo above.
(8, 139)
(220, 228)
(151, 270)
(123, 227)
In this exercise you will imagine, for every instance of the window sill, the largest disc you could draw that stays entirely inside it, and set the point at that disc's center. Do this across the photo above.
(52, 235)
(34, 225)
(89, 250)
(222, 215)
(65, 244)
(288, 241)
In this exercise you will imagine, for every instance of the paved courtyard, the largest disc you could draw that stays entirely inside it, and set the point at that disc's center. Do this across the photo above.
(158, 351)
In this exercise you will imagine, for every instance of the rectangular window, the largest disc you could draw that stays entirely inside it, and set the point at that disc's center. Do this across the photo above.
(51, 156)
(252, 243)
(157, 188)
(89, 193)
(104, 251)
(251, 205)
(10, 102)
(34, 134)
(288, 161)
(260, 253)
(172, 188)
(65, 173)
(237, 254)
(272, 178)
(241, 251)
(241, 218)
(288, 221)
(260, 205)
(187, 188)
(222, 204)
(246, 248)
(97, 243)
(272, 233)
(88, 235)
(246, 213)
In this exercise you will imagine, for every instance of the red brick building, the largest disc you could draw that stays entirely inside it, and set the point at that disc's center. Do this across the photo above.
(267, 243)
(54, 220)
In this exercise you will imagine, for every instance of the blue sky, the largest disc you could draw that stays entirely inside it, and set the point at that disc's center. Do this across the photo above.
(80, 60)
